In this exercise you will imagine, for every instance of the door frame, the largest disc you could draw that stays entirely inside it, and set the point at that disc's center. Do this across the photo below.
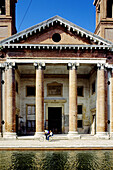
(55, 105)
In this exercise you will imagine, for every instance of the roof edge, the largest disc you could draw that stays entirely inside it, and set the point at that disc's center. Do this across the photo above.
(47, 23)
(94, 3)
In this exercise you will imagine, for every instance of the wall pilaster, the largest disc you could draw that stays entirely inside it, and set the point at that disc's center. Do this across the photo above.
(7, 6)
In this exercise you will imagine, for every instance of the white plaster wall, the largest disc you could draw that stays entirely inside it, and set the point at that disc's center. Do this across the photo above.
(31, 100)
(25, 100)
(84, 101)
(87, 101)
(17, 79)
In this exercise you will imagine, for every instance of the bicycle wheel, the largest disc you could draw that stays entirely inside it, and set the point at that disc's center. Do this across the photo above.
(41, 139)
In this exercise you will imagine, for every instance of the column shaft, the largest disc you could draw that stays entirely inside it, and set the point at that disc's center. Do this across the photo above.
(72, 101)
(10, 121)
(100, 126)
(39, 101)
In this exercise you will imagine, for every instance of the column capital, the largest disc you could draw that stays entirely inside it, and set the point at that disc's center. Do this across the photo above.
(72, 66)
(7, 65)
(2, 66)
(100, 66)
(109, 66)
(40, 66)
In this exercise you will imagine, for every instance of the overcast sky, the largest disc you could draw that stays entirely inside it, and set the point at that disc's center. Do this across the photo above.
(80, 12)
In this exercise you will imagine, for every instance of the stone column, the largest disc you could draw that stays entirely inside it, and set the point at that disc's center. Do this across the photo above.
(72, 99)
(100, 113)
(10, 117)
(39, 99)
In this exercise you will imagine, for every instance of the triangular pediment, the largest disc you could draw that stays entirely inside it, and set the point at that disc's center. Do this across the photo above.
(49, 36)
(42, 33)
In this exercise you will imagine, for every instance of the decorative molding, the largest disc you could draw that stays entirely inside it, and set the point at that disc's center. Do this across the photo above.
(58, 46)
(59, 61)
(72, 66)
(101, 66)
(109, 66)
(7, 65)
(39, 65)
(54, 89)
(55, 100)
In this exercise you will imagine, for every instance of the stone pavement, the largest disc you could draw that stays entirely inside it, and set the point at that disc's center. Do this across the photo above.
(34, 144)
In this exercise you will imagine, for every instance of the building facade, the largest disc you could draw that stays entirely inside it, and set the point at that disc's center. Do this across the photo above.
(57, 75)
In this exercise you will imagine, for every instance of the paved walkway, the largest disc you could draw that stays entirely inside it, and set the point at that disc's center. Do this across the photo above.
(34, 144)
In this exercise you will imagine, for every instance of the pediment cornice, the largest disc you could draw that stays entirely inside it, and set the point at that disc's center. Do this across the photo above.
(50, 23)
(56, 46)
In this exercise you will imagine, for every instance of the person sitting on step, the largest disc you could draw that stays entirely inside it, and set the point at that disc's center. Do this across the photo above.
(50, 134)
(46, 132)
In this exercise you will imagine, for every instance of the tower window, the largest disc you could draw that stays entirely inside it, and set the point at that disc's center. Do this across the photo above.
(110, 9)
(2, 7)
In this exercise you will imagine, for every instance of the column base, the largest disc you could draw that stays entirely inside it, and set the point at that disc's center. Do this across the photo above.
(73, 135)
(38, 134)
(102, 135)
(9, 135)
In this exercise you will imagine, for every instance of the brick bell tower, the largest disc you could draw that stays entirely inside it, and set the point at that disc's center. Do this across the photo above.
(104, 18)
(7, 18)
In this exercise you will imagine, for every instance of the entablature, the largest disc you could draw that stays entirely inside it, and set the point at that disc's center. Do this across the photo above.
(56, 46)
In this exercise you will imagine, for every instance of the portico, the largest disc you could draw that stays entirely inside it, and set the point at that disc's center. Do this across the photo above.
(56, 85)
(44, 74)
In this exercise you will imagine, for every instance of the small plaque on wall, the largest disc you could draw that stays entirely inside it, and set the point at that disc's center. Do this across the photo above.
(54, 89)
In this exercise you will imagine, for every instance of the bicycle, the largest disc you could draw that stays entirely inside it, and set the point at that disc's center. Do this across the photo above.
(41, 138)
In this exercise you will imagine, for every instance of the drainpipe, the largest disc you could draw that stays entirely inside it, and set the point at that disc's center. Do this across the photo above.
(2, 82)
(1, 102)
(1, 97)
(109, 102)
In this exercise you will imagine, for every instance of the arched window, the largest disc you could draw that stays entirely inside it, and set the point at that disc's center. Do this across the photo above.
(109, 9)
(2, 7)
